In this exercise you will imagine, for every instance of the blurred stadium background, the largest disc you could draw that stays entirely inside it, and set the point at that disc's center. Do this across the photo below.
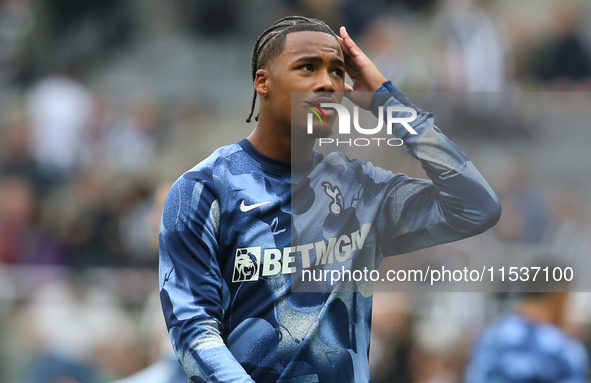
(104, 103)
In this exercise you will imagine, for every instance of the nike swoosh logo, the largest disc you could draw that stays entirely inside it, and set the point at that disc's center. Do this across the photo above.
(244, 208)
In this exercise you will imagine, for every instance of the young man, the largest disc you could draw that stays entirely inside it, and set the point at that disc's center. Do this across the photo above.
(238, 226)
(529, 345)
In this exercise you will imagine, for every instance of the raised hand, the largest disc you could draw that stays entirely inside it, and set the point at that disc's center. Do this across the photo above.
(365, 75)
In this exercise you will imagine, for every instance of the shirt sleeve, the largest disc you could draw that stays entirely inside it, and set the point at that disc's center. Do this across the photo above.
(191, 284)
(455, 203)
(511, 351)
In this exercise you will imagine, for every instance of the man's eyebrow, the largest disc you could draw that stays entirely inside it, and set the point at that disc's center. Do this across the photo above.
(317, 59)
(338, 61)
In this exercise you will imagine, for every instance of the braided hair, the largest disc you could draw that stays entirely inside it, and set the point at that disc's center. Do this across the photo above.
(272, 41)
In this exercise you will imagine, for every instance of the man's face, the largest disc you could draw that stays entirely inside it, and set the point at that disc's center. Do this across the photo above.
(311, 62)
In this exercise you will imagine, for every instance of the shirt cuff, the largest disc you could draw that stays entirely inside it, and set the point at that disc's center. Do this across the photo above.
(384, 93)
(381, 95)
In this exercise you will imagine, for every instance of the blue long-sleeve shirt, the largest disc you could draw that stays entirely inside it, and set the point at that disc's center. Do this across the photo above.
(514, 349)
(239, 230)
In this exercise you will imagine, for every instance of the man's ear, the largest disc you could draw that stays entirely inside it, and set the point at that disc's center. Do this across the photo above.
(261, 82)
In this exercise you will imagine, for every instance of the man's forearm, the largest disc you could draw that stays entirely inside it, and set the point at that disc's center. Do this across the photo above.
(460, 194)
(202, 352)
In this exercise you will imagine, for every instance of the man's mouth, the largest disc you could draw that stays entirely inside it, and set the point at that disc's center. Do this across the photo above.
(325, 100)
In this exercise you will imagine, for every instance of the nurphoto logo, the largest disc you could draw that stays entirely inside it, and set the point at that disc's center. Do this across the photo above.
(394, 114)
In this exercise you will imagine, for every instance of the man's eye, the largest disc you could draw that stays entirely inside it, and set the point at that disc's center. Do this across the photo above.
(307, 67)
(339, 72)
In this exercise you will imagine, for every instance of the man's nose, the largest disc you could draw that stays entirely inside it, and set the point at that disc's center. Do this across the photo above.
(324, 83)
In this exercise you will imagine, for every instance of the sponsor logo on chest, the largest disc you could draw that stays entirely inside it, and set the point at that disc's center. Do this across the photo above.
(251, 263)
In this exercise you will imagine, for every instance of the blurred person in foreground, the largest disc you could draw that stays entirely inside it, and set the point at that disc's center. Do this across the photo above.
(229, 263)
(529, 345)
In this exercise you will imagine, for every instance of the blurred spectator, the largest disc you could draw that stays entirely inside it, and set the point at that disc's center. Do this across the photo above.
(7, 299)
(579, 317)
(391, 338)
(441, 334)
(20, 238)
(563, 59)
(167, 370)
(83, 214)
(156, 213)
(72, 326)
(136, 229)
(529, 346)
(7, 289)
(192, 128)
(211, 18)
(414, 5)
(123, 142)
(382, 41)
(359, 14)
(131, 141)
(476, 52)
(330, 12)
(101, 121)
(165, 367)
(59, 108)
(568, 232)
(16, 158)
(525, 215)
(86, 30)
(16, 21)
(523, 46)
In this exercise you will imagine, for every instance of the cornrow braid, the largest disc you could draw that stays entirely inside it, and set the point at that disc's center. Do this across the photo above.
(272, 41)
